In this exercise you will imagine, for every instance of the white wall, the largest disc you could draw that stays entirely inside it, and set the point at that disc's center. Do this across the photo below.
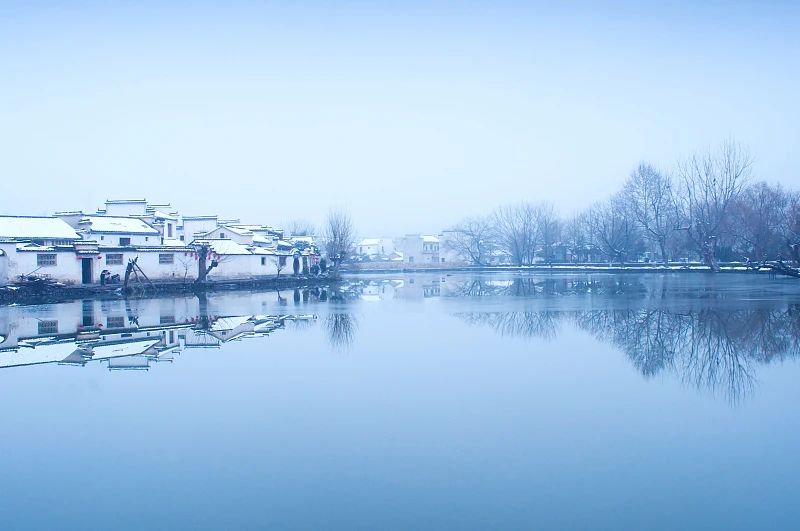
(112, 240)
(126, 209)
(67, 268)
(184, 264)
(412, 249)
(193, 226)
(229, 235)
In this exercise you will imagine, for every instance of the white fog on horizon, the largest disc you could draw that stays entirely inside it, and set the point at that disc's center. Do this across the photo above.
(410, 118)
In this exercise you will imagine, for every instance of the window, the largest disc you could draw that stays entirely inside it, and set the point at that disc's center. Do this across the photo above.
(222, 235)
(116, 322)
(410, 258)
(282, 261)
(181, 237)
(147, 238)
(169, 230)
(167, 258)
(102, 238)
(263, 260)
(114, 259)
(62, 242)
(167, 319)
(124, 242)
(442, 260)
(48, 327)
(43, 260)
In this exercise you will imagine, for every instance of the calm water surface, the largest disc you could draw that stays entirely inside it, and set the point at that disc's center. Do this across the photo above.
(415, 402)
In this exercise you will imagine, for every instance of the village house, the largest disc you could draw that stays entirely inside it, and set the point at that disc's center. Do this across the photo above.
(420, 249)
(31, 245)
(74, 247)
(375, 248)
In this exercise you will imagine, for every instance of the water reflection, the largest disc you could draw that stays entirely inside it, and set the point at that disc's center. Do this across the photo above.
(707, 344)
(127, 334)
(341, 329)
(710, 332)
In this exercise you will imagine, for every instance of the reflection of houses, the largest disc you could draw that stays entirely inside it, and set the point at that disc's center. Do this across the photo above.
(378, 290)
(120, 334)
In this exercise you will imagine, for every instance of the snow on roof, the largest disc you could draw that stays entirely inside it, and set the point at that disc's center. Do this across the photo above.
(163, 215)
(34, 247)
(234, 229)
(263, 250)
(40, 354)
(250, 227)
(121, 225)
(104, 352)
(125, 201)
(33, 227)
(229, 323)
(430, 239)
(370, 241)
(258, 238)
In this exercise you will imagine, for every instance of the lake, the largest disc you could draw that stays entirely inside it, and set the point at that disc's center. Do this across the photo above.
(424, 401)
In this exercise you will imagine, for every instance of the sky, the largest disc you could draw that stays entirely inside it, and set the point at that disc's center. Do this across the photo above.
(409, 115)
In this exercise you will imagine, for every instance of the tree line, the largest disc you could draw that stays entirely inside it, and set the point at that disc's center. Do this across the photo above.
(708, 208)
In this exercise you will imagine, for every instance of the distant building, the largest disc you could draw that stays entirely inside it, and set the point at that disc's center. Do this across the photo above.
(421, 249)
(375, 248)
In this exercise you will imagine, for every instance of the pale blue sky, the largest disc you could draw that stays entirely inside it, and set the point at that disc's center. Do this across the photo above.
(410, 115)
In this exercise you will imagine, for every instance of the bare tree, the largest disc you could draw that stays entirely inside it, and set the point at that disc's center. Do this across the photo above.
(515, 229)
(613, 231)
(340, 237)
(472, 240)
(548, 228)
(300, 227)
(710, 184)
(577, 235)
(790, 229)
(757, 218)
(649, 197)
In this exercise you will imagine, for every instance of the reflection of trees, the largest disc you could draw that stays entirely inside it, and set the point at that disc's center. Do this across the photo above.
(532, 287)
(708, 348)
(341, 329)
(542, 325)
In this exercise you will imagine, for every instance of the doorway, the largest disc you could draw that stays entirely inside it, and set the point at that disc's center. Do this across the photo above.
(86, 269)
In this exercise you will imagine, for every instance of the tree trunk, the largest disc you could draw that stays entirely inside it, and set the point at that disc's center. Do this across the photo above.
(662, 246)
(202, 255)
(710, 254)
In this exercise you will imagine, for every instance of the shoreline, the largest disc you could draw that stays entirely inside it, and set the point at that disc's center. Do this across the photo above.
(732, 267)
(54, 293)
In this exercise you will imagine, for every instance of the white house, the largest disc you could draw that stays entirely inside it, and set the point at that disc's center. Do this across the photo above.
(37, 245)
(375, 247)
(194, 226)
(118, 231)
(229, 232)
(418, 248)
